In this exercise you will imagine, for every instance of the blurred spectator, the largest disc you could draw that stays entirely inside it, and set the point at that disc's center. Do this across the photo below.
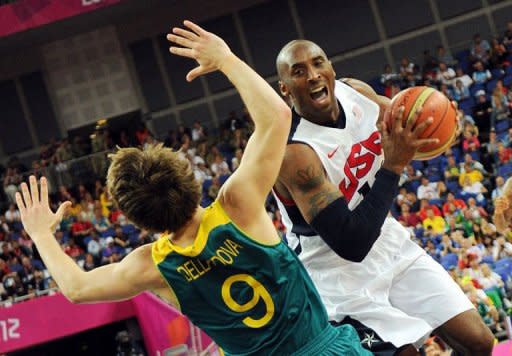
(460, 91)
(407, 218)
(72, 249)
(99, 221)
(507, 35)
(500, 109)
(445, 74)
(124, 140)
(457, 203)
(388, 76)
(219, 166)
(470, 142)
(433, 222)
(451, 172)
(463, 77)
(198, 132)
(479, 49)
(500, 188)
(424, 206)
(498, 54)
(481, 75)
(141, 134)
(235, 161)
(12, 180)
(445, 57)
(12, 215)
(482, 112)
(213, 191)
(504, 153)
(428, 190)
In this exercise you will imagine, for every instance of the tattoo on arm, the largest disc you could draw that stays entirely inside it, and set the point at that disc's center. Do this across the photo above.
(308, 178)
(319, 201)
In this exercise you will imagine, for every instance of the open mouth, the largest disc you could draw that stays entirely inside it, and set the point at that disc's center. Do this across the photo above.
(319, 94)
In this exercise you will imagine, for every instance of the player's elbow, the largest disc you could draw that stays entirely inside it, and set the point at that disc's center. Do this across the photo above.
(74, 296)
(284, 114)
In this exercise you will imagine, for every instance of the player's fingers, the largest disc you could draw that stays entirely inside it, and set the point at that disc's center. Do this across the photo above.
(425, 142)
(184, 33)
(183, 52)
(26, 195)
(34, 190)
(196, 28)
(61, 211)
(419, 129)
(398, 124)
(182, 41)
(411, 123)
(21, 204)
(44, 191)
(194, 73)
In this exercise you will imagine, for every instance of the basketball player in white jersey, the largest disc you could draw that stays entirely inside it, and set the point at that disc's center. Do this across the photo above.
(334, 193)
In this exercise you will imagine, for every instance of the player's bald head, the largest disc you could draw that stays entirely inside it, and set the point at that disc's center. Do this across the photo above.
(292, 51)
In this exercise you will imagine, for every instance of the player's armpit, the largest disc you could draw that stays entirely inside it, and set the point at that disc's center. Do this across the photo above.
(304, 177)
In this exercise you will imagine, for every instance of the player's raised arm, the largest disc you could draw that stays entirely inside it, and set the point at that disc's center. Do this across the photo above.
(258, 170)
(117, 281)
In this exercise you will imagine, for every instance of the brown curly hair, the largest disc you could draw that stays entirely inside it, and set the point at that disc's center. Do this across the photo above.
(155, 188)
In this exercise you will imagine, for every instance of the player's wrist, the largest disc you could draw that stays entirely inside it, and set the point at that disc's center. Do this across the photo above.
(228, 63)
(393, 167)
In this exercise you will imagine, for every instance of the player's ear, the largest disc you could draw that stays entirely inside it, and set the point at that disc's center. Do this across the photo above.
(333, 69)
(283, 89)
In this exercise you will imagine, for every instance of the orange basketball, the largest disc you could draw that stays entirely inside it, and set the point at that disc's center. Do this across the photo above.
(435, 105)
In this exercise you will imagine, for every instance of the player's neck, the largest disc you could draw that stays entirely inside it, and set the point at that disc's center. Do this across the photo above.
(187, 234)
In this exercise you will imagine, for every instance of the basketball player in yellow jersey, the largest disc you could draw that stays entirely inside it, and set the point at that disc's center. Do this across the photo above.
(225, 265)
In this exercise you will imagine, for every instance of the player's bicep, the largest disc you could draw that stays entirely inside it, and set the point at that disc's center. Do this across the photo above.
(304, 177)
(119, 281)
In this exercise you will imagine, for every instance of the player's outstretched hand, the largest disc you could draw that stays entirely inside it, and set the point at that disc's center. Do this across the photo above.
(209, 50)
(36, 215)
(401, 143)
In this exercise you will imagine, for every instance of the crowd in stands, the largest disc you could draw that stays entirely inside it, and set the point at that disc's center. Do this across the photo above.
(446, 203)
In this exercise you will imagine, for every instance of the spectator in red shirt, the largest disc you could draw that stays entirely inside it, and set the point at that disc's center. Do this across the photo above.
(450, 199)
(504, 153)
(407, 218)
(73, 250)
(81, 228)
(424, 206)
(470, 142)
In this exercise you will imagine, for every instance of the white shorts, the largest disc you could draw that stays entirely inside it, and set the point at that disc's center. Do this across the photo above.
(421, 297)
(397, 290)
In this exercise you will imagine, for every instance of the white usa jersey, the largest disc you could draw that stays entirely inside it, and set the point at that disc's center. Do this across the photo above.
(351, 156)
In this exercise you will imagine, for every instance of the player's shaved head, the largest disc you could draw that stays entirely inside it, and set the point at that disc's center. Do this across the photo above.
(288, 54)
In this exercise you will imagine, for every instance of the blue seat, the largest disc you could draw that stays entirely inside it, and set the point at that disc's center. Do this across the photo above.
(452, 186)
(466, 106)
(502, 125)
(505, 171)
(437, 202)
(507, 80)
(476, 87)
(503, 272)
(491, 84)
(129, 229)
(497, 73)
(504, 262)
